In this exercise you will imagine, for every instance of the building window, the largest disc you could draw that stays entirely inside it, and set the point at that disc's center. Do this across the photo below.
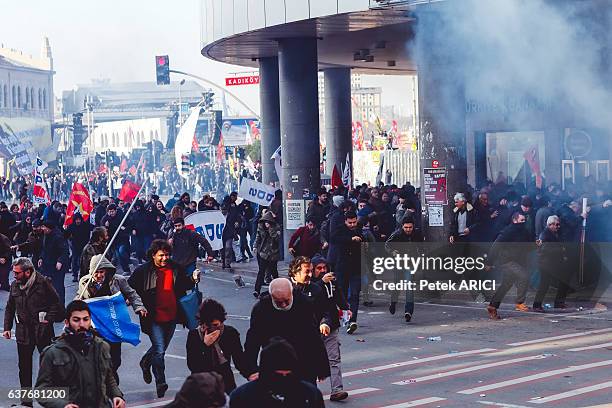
(19, 96)
(32, 98)
(39, 98)
(27, 98)
(14, 96)
(44, 99)
(5, 96)
(1, 99)
(125, 142)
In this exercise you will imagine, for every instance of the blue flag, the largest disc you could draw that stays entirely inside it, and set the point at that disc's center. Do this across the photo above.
(111, 319)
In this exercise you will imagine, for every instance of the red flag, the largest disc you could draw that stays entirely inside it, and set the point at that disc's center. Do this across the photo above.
(336, 180)
(124, 165)
(133, 170)
(102, 168)
(129, 191)
(194, 145)
(532, 156)
(79, 201)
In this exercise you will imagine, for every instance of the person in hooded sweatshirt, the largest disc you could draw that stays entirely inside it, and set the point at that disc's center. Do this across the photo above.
(103, 280)
(77, 234)
(277, 385)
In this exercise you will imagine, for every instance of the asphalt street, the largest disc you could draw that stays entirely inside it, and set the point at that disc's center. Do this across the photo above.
(524, 360)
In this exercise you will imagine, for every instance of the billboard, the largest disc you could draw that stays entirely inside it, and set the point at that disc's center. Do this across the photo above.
(239, 132)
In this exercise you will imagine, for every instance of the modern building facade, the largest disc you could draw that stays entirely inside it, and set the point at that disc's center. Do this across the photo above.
(26, 107)
(500, 96)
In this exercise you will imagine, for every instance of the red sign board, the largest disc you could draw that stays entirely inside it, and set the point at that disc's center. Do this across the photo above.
(242, 80)
(435, 164)
(434, 184)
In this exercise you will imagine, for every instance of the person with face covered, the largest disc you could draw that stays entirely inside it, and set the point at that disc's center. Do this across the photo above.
(278, 384)
(77, 233)
(213, 345)
(34, 304)
(79, 360)
(286, 313)
(102, 280)
(95, 246)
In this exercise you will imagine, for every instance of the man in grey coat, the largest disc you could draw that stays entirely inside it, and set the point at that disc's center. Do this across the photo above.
(102, 280)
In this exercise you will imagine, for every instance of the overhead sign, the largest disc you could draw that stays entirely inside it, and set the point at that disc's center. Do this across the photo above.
(208, 223)
(434, 184)
(239, 132)
(578, 143)
(256, 192)
(242, 80)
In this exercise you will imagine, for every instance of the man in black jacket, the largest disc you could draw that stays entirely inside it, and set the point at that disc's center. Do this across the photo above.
(333, 300)
(286, 313)
(278, 385)
(552, 258)
(347, 240)
(78, 233)
(413, 243)
(160, 283)
(185, 246)
(54, 258)
(214, 345)
(121, 245)
(318, 209)
(510, 253)
(36, 306)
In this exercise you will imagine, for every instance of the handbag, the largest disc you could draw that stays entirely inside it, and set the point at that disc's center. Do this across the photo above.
(190, 303)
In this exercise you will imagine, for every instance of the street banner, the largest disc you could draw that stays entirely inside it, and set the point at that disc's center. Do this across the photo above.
(210, 224)
(39, 191)
(346, 173)
(79, 202)
(256, 192)
(242, 80)
(276, 156)
(129, 191)
(184, 140)
(111, 319)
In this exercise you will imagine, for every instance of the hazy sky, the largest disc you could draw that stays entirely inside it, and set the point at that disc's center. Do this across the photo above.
(119, 39)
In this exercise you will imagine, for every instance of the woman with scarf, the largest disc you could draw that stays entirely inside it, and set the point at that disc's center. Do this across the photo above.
(103, 281)
(213, 344)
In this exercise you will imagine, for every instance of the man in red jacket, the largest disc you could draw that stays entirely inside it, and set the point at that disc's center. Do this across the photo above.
(306, 240)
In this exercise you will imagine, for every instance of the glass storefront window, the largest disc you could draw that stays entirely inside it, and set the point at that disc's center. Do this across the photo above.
(508, 153)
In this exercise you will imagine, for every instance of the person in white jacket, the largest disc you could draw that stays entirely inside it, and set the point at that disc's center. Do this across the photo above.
(102, 280)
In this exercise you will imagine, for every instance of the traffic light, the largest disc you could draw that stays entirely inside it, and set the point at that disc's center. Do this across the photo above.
(77, 133)
(208, 100)
(162, 65)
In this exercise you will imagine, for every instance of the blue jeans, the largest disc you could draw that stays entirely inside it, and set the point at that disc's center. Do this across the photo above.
(161, 334)
(141, 245)
(122, 255)
(190, 268)
(409, 305)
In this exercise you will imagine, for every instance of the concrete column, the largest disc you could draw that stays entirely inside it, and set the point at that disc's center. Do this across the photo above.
(338, 136)
(441, 108)
(270, 116)
(299, 118)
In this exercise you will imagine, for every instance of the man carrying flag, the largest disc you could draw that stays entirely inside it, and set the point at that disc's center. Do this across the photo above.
(115, 328)
(79, 202)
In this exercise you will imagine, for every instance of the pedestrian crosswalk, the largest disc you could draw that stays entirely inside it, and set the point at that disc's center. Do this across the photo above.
(510, 376)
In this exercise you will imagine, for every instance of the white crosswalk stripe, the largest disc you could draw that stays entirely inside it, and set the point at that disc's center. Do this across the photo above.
(358, 391)
(416, 361)
(478, 367)
(593, 347)
(561, 337)
(415, 403)
(573, 393)
(533, 377)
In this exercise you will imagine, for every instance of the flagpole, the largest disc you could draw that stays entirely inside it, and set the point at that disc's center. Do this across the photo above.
(110, 243)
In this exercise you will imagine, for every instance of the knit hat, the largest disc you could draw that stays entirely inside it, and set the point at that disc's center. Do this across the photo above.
(201, 390)
(337, 200)
(278, 355)
(318, 259)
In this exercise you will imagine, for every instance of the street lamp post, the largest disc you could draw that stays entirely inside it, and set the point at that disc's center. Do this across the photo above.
(180, 102)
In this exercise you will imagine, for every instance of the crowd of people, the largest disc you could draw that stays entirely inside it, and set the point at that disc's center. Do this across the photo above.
(295, 324)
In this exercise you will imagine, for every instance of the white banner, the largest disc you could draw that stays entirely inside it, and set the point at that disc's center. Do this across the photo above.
(184, 140)
(256, 192)
(210, 224)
